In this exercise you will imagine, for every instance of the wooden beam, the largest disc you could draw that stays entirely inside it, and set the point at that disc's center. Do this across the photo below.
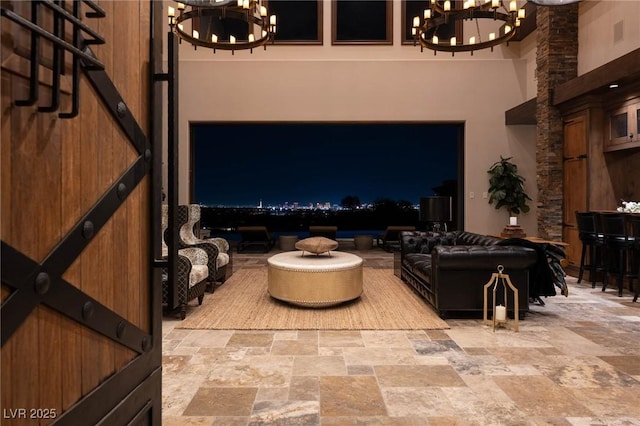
(623, 70)
(525, 113)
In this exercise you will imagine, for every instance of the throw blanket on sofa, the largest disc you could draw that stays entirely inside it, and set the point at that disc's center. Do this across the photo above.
(547, 272)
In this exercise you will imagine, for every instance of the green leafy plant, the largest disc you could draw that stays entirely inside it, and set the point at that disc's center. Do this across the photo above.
(506, 187)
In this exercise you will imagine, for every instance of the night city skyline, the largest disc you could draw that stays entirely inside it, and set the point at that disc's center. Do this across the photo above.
(241, 165)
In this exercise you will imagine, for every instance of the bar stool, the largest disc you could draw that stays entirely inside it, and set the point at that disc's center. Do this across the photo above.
(619, 244)
(592, 245)
(634, 221)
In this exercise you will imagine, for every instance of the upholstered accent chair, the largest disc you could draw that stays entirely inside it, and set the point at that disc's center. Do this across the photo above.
(188, 237)
(192, 271)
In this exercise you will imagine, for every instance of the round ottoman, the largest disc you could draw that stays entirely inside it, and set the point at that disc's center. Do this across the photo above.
(315, 280)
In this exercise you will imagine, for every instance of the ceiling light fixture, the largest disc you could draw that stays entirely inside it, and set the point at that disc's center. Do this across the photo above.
(553, 2)
(223, 24)
(505, 21)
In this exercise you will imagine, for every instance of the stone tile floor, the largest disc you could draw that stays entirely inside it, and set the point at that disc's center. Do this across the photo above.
(575, 361)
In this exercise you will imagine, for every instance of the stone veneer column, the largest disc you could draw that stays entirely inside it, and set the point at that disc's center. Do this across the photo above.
(556, 62)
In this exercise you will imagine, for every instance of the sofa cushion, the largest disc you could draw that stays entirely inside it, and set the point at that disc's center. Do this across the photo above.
(422, 269)
(409, 241)
(446, 238)
(426, 244)
(415, 261)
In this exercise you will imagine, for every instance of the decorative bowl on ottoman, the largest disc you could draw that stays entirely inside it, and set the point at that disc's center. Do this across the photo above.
(316, 245)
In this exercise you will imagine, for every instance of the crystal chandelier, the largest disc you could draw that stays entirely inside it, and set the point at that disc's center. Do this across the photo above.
(503, 21)
(223, 24)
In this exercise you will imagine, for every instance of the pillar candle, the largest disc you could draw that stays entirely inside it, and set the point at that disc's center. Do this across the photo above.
(501, 313)
(513, 221)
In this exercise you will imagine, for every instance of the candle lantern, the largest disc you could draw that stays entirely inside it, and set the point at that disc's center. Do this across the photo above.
(499, 317)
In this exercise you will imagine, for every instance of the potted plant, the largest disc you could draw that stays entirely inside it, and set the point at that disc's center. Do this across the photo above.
(506, 190)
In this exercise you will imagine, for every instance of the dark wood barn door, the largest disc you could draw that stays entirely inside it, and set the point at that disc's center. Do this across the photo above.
(81, 314)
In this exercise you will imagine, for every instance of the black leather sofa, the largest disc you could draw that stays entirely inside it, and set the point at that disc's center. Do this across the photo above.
(451, 269)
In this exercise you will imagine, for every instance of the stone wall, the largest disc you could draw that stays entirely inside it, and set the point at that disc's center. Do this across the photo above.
(556, 63)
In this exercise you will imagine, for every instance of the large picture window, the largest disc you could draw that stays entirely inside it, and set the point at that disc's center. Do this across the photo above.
(313, 170)
(362, 21)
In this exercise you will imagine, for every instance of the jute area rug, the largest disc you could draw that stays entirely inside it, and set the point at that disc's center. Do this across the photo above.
(242, 303)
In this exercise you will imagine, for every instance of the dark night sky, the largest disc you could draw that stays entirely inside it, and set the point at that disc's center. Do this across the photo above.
(241, 164)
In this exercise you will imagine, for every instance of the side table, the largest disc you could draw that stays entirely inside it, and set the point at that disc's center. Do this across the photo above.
(288, 242)
(363, 242)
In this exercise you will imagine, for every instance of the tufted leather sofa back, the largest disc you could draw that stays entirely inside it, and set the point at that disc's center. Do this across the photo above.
(464, 238)
(424, 242)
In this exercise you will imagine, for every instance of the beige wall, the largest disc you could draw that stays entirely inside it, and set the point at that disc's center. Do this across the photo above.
(528, 54)
(374, 83)
(369, 90)
(608, 29)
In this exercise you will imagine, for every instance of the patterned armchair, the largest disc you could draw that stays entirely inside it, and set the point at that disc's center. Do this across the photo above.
(192, 271)
(189, 238)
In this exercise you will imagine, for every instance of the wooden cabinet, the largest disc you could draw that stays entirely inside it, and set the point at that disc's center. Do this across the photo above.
(623, 125)
(598, 171)
(575, 164)
(601, 153)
